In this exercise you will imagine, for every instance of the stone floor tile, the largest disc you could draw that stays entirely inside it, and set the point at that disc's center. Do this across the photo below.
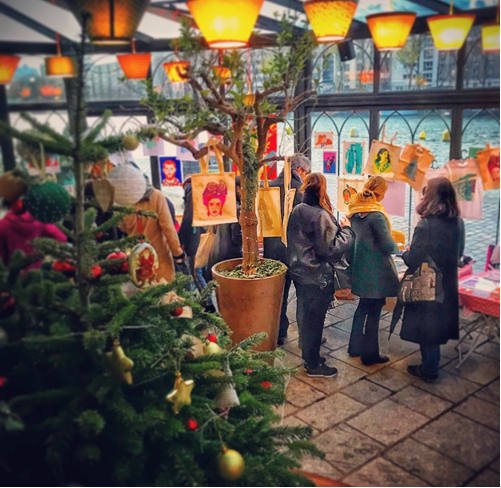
(346, 310)
(428, 464)
(292, 332)
(489, 349)
(346, 376)
(366, 392)
(294, 421)
(381, 472)
(490, 392)
(302, 394)
(487, 477)
(289, 360)
(464, 440)
(330, 411)
(449, 350)
(484, 412)
(286, 409)
(387, 421)
(342, 355)
(421, 401)
(336, 338)
(396, 348)
(448, 386)
(391, 378)
(347, 449)
(477, 368)
(321, 467)
(343, 324)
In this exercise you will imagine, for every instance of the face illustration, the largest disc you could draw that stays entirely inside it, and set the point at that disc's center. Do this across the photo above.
(169, 169)
(382, 161)
(383, 156)
(214, 207)
(493, 166)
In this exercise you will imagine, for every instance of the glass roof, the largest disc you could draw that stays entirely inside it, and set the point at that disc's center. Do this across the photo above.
(369, 7)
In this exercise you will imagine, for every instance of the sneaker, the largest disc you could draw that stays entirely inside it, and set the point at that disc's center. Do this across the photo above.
(321, 371)
(415, 370)
(321, 361)
(378, 360)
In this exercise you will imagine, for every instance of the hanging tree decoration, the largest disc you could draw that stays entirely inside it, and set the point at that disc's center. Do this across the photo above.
(180, 395)
(227, 397)
(60, 66)
(231, 464)
(120, 364)
(135, 66)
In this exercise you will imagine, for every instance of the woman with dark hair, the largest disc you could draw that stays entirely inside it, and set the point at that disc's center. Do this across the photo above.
(438, 235)
(315, 241)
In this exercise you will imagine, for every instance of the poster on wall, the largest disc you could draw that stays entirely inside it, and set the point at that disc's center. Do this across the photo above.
(354, 155)
(329, 158)
(347, 187)
(383, 158)
(170, 171)
(323, 140)
(488, 164)
(394, 198)
(153, 147)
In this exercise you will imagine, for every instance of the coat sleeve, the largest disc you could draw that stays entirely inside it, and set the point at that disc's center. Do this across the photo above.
(186, 229)
(331, 242)
(382, 234)
(50, 230)
(166, 224)
(417, 252)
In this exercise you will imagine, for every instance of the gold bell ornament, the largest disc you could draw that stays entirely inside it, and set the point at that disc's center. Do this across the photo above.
(119, 363)
(180, 395)
(227, 396)
(231, 464)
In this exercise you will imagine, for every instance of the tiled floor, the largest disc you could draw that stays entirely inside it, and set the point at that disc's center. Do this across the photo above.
(379, 426)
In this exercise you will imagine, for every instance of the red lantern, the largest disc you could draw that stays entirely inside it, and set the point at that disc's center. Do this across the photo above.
(135, 66)
(8, 65)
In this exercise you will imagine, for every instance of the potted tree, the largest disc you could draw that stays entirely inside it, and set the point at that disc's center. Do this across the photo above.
(250, 289)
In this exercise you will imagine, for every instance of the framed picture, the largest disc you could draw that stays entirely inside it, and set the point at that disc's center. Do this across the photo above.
(330, 159)
(323, 140)
(354, 155)
(170, 171)
(153, 147)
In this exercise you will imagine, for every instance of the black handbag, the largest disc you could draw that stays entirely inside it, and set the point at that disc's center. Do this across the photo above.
(342, 274)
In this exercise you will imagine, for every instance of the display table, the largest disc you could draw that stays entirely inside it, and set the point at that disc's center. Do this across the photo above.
(479, 294)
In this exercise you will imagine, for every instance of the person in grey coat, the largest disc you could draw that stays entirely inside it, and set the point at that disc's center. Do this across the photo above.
(273, 246)
(315, 242)
(439, 235)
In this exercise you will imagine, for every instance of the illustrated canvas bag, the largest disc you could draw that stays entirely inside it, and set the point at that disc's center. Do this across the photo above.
(383, 157)
(347, 187)
(488, 166)
(289, 194)
(207, 240)
(214, 198)
(269, 218)
(412, 166)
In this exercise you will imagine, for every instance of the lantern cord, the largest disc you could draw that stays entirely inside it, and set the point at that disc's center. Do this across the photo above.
(133, 45)
(451, 7)
(249, 73)
(58, 44)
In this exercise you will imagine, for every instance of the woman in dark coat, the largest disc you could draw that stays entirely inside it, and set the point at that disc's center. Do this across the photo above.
(315, 241)
(439, 235)
(374, 274)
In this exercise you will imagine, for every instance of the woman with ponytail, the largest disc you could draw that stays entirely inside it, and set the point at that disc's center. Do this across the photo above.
(315, 241)
(374, 276)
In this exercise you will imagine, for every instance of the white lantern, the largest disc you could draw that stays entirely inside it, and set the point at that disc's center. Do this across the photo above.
(129, 184)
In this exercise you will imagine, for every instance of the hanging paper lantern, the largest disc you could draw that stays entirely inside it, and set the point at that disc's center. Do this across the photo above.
(450, 31)
(330, 19)
(8, 65)
(490, 38)
(177, 71)
(223, 74)
(48, 202)
(129, 184)
(112, 21)
(225, 23)
(135, 65)
(390, 30)
(61, 66)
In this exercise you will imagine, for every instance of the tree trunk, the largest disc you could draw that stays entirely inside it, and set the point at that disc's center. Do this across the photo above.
(248, 222)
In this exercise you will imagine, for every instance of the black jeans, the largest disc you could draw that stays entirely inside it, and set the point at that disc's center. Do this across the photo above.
(312, 305)
(430, 354)
(284, 321)
(364, 337)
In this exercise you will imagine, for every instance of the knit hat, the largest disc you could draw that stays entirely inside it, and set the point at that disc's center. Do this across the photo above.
(377, 185)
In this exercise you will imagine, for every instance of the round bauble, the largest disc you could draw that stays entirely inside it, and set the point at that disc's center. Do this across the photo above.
(231, 465)
(129, 184)
(176, 312)
(212, 348)
(212, 338)
(192, 424)
(119, 268)
(130, 142)
(96, 271)
(47, 202)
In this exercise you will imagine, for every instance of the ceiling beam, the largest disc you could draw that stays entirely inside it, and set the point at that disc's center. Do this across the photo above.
(435, 5)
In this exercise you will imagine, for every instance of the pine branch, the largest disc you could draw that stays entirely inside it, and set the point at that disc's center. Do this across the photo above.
(45, 129)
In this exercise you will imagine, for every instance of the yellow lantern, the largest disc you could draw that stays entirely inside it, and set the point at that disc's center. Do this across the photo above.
(177, 71)
(390, 30)
(60, 66)
(330, 19)
(450, 31)
(8, 65)
(490, 38)
(225, 23)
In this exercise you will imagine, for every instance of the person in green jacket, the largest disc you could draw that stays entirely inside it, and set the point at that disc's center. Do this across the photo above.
(374, 276)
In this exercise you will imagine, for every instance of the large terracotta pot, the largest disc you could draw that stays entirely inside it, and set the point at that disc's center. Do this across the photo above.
(250, 306)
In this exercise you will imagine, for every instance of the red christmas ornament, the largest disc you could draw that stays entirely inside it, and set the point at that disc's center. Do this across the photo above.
(192, 424)
(177, 311)
(212, 338)
(122, 268)
(266, 384)
(96, 271)
(248, 371)
(64, 267)
(18, 207)
(3, 380)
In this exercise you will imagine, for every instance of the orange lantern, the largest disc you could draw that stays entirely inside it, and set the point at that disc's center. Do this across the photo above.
(25, 92)
(177, 71)
(450, 31)
(8, 65)
(366, 77)
(135, 65)
(225, 23)
(330, 19)
(390, 30)
(111, 21)
(223, 73)
(490, 38)
(60, 66)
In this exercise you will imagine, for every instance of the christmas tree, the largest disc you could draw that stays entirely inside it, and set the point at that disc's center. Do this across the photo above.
(103, 387)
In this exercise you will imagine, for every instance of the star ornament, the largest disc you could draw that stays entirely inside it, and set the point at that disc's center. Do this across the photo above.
(180, 395)
(119, 363)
